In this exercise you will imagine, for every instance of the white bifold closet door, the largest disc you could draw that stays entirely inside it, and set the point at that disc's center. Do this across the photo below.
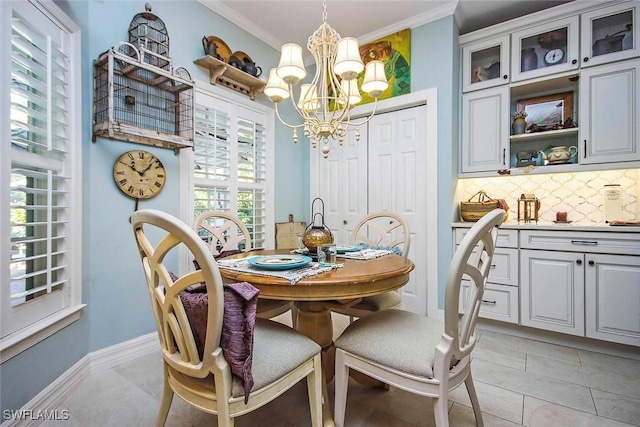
(385, 170)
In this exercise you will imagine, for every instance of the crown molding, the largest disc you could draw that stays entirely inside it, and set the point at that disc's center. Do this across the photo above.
(413, 22)
(240, 21)
(235, 18)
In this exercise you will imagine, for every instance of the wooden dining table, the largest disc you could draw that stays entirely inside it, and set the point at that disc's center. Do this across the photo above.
(315, 295)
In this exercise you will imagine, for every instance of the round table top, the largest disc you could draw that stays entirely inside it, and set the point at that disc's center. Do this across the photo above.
(356, 279)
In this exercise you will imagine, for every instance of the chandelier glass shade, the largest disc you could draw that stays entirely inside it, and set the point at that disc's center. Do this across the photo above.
(326, 102)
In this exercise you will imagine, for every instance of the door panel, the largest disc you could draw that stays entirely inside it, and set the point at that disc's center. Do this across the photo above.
(552, 291)
(343, 185)
(397, 183)
(613, 298)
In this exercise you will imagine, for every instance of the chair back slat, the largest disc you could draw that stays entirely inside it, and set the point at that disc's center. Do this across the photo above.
(177, 341)
(222, 231)
(384, 229)
(473, 261)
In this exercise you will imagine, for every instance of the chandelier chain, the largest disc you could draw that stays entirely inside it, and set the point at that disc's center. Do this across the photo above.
(324, 11)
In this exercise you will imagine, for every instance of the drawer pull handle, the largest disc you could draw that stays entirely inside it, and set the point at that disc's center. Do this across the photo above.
(486, 301)
(584, 242)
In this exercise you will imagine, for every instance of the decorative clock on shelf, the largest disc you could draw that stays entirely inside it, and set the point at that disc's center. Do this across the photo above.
(139, 174)
(553, 56)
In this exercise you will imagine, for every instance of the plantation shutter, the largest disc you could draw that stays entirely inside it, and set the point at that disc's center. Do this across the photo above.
(41, 172)
(230, 166)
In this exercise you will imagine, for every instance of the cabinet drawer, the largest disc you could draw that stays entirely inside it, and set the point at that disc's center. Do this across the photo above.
(504, 267)
(610, 243)
(499, 302)
(506, 238)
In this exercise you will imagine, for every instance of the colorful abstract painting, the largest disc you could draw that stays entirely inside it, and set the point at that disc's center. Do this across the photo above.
(394, 51)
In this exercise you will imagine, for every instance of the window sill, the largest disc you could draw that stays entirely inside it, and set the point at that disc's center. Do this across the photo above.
(21, 340)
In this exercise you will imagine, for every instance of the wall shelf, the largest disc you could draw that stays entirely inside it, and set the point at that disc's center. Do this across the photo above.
(541, 136)
(231, 77)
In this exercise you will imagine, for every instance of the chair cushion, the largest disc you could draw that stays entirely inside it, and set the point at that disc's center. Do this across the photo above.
(398, 339)
(379, 302)
(277, 350)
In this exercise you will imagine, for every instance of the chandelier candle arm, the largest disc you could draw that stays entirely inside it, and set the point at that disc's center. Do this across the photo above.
(325, 104)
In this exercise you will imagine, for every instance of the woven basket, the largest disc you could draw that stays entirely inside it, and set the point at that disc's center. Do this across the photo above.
(472, 210)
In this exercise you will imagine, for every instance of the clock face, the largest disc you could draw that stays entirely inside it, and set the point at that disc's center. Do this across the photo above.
(553, 56)
(139, 174)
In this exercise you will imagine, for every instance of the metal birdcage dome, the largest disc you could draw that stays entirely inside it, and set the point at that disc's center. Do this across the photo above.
(147, 31)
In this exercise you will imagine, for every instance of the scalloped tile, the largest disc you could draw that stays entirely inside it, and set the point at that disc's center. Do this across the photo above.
(580, 193)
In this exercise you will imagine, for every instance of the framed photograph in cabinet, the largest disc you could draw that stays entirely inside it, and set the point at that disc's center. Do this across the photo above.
(547, 112)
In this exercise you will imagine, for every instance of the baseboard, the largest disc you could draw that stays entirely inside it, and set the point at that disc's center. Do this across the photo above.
(50, 398)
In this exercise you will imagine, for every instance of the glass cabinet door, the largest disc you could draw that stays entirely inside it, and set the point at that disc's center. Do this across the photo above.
(545, 49)
(485, 64)
(610, 34)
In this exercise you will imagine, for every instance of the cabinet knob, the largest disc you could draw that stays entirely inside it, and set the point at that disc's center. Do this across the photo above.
(505, 77)
(591, 262)
(344, 222)
(585, 59)
(574, 62)
(579, 261)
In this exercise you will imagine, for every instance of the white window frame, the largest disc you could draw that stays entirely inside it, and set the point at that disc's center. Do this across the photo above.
(231, 100)
(42, 325)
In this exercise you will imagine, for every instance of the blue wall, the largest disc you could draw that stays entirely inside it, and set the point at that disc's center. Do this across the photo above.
(435, 63)
(117, 303)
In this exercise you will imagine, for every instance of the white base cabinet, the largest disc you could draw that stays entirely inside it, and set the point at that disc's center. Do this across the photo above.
(500, 299)
(588, 284)
(612, 298)
(552, 291)
(582, 283)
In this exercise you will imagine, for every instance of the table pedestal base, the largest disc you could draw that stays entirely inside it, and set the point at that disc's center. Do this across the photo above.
(314, 321)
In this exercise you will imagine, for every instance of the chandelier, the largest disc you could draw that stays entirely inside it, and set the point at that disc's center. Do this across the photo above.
(325, 104)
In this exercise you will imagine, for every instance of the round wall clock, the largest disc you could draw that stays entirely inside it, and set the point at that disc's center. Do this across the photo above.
(553, 56)
(139, 174)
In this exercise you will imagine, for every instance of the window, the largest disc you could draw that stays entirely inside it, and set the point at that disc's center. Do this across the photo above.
(39, 173)
(233, 164)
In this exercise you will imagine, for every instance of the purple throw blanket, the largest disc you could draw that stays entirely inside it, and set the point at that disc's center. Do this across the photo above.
(239, 318)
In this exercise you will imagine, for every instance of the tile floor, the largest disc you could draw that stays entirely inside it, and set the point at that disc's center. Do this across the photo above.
(520, 382)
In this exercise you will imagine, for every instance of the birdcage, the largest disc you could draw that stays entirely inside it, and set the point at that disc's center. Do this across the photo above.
(148, 33)
(138, 95)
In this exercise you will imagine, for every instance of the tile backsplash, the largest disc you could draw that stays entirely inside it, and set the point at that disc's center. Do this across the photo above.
(581, 194)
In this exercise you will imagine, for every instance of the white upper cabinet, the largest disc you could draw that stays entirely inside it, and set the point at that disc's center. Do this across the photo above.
(610, 34)
(485, 130)
(609, 108)
(545, 49)
(485, 64)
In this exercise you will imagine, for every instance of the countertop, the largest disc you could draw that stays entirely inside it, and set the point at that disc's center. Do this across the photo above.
(550, 225)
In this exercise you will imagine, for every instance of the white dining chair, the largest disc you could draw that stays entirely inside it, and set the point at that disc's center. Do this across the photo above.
(419, 354)
(280, 356)
(225, 233)
(378, 229)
